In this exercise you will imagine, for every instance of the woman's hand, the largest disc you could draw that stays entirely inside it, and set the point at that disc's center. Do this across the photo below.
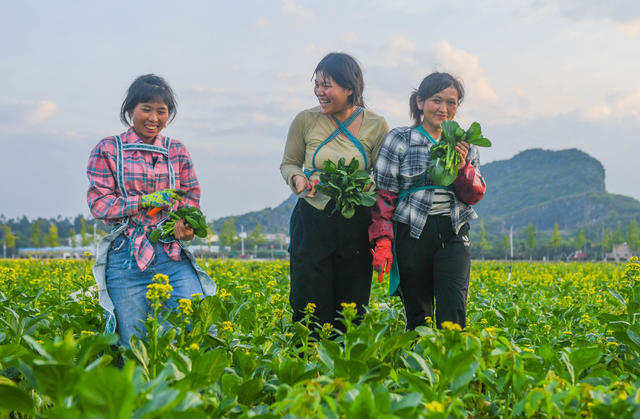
(301, 183)
(182, 231)
(463, 149)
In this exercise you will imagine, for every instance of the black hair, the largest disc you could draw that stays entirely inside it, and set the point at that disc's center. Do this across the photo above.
(345, 71)
(148, 88)
(432, 84)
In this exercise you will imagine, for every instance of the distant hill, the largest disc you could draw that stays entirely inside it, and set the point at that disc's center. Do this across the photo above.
(536, 186)
(544, 187)
(272, 220)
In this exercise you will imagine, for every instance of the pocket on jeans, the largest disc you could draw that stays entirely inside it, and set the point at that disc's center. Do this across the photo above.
(119, 244)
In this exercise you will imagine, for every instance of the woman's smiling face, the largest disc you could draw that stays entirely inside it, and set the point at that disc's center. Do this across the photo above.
(149, 118)
(333, 98)
(440, 107)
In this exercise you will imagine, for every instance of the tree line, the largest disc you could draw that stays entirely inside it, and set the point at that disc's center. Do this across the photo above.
(531, 243)
(525, 243)
(81, 231)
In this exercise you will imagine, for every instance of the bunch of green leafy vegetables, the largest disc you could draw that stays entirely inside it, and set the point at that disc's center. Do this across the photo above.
(443, 167)
(191, 216)
(346, 184)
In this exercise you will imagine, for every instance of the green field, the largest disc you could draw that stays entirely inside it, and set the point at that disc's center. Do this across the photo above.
(545, 340)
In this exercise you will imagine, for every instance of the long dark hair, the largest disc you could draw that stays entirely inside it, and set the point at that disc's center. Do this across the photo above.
(148, 88)
(432, 84)
(345, 71)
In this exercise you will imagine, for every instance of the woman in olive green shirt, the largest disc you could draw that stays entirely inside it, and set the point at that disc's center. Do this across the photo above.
(330, 255)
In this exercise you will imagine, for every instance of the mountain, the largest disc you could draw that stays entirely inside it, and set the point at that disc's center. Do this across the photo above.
(271, 220)
(543, 187)
(536, 186)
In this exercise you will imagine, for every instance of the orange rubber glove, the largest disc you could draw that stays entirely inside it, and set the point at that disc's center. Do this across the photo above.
(382, 257)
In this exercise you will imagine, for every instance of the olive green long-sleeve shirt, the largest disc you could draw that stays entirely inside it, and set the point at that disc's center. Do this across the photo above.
(310, 128)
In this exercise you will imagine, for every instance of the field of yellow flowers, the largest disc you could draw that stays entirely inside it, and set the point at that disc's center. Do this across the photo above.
(544, 339)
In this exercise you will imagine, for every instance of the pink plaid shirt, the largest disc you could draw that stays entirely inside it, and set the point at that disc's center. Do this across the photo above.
(144, 172)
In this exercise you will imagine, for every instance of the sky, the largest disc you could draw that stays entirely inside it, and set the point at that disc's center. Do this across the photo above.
(538, 74)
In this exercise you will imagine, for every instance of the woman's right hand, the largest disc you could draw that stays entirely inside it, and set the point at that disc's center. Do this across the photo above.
(301, 183)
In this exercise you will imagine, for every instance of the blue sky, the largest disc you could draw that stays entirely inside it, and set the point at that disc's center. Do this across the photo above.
(538, 74)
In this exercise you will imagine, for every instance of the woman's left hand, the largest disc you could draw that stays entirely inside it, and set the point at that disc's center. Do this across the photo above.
(463, 149)
(182, 231)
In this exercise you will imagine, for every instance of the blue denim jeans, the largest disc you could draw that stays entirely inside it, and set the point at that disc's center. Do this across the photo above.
(127, 285)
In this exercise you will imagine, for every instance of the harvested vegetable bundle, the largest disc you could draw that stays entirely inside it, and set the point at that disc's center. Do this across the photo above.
(190, 215)
(345, 185)
(443, 167)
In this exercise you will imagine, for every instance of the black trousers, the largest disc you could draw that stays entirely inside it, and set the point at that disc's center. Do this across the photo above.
(434, 267)
(330, 261)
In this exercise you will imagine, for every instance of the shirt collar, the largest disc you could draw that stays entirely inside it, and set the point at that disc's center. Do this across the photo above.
(417, 139)
(130, 137)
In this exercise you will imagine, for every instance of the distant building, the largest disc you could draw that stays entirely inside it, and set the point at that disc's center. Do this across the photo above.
(619, 252)
(58, 252)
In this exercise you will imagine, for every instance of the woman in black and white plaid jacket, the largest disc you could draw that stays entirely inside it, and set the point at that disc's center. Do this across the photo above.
(426, 225)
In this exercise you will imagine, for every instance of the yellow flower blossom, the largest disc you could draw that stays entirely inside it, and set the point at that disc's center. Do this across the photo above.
(348, 305)
(159, 290)
(451, 326)
(194, 347)
(184, 305)
(223, 293)
(227, 327)
(435, 406)
(310, 308)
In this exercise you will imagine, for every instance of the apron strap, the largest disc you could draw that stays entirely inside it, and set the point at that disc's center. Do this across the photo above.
(424, 132)
(120, 148)
(342, 128)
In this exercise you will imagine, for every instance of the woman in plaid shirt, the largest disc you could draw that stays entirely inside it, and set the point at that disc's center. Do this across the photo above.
(131, 177)
(431, 223)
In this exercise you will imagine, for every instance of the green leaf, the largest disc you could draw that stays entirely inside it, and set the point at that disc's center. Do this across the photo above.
(14, 398)
(368, 199)
(56, 380)
(290, 370)
(348, 212)
(353, 165)
(463, 374)
(364, 404)
(107, 392)
(249, 391)
(481, 142)
(473, 133)
(618, 297)
(155, 235)
(439, 174)
(209, 366)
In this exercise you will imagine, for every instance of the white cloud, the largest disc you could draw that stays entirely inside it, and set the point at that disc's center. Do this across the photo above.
(400, 51)
(261, 22)
(629, 29)
(43, 110)
(466, 66)
(259, 117)
(621, 105)
(300, 14)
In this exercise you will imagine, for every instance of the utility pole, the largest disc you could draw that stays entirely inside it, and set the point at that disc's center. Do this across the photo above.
(511, 242)
(242, 236)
